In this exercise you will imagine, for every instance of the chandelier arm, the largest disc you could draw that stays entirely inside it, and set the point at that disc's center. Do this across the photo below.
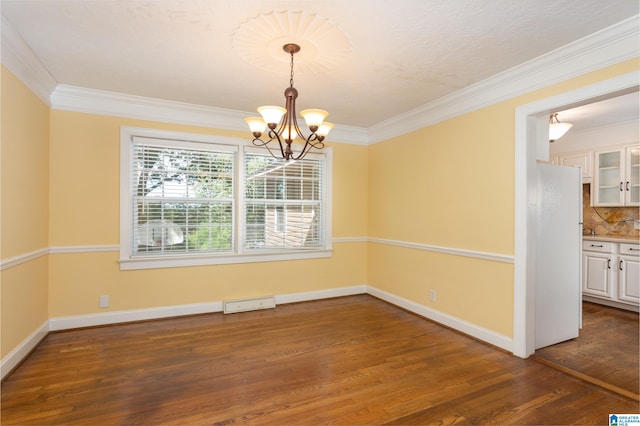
(266, 144)
(269, 149)
(290, 122)
(295, 124)
(304, 152)
(311, 142)
(282, 142)
(275, 135)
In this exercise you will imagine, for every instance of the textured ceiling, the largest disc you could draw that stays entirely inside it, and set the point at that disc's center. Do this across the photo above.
(391, 57)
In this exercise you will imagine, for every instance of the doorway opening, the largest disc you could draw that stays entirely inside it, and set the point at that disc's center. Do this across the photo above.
(531, 143)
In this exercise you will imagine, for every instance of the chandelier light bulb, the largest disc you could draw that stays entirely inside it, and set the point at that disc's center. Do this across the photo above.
(288, 133)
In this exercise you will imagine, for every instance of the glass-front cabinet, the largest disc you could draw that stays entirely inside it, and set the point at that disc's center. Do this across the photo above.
(617, 177)
(632, 184)
(608, 185)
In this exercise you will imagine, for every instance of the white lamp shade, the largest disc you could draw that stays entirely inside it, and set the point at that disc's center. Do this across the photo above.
(324, 129)
(271, 114)
(285, 133)
(256, 124)
(314, 117)
(557, 130)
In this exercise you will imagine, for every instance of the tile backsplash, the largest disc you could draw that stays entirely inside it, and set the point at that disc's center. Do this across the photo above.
(611, 221)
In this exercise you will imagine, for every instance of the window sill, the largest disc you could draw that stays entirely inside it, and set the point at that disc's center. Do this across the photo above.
(178, 261)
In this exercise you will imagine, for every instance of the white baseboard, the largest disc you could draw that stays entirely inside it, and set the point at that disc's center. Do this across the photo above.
(90, 320)
(320, 294)
(115, 317)
(612, 303)
(488, 336)
(16, 356)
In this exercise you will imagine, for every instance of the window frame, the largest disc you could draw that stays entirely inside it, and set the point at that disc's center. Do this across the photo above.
(128, 261)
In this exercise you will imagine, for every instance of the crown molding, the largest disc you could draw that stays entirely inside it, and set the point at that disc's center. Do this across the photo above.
(349, 134)
(607, 47)
(92, 101)
(604, 48)
(78, 99)
(18, 57)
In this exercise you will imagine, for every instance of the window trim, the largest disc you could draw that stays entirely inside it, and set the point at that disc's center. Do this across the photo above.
(129, 262)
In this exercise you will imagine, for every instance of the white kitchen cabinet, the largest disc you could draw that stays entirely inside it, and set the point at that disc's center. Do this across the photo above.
(629, 272)
(596, 272)
(611, 273)
(584, 160)
(632, 172)
(617, 177)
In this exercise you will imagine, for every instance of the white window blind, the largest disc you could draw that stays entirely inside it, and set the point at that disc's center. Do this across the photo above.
(182, 199)
(283, 203)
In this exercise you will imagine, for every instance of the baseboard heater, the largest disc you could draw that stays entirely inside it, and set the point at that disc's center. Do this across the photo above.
(244, 305)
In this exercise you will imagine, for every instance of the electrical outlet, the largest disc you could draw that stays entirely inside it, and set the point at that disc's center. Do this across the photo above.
(636, 224)
(432, 295)
(104, 301)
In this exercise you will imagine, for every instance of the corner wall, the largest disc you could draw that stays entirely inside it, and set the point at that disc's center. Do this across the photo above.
(24, 198)
(447, 187)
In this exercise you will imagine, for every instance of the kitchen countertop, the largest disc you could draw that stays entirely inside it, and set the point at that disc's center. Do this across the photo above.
(611, 238)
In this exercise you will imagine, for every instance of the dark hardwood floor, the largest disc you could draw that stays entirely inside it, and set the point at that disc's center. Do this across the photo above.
(351, 360)
(607, 351)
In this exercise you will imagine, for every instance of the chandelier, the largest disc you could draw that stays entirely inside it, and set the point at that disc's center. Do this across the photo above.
(556, 128)
(283, 124)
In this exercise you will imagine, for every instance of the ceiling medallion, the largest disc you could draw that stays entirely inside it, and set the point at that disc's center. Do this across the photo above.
(323, 45)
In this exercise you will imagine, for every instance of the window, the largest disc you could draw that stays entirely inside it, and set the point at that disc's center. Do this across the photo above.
(283, 203)
(182, 199)
(196, 200)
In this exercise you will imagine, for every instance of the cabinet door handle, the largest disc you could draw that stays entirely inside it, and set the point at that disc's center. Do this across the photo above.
(621, 184)
(599, 245)
(608, 263)
(633, 249)
(621, 265)
(627, 185)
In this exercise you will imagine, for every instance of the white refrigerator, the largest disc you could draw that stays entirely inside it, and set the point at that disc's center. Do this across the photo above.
(558, 292)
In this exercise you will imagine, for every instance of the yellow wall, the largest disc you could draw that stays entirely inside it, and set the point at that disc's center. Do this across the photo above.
(77, 280)
(24, 195)
(85, 179)
(449, 185)
(452, 185)
(434, 185)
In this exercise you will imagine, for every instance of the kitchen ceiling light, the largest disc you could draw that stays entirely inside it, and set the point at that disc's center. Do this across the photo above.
(556, 128)
(283, 124)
